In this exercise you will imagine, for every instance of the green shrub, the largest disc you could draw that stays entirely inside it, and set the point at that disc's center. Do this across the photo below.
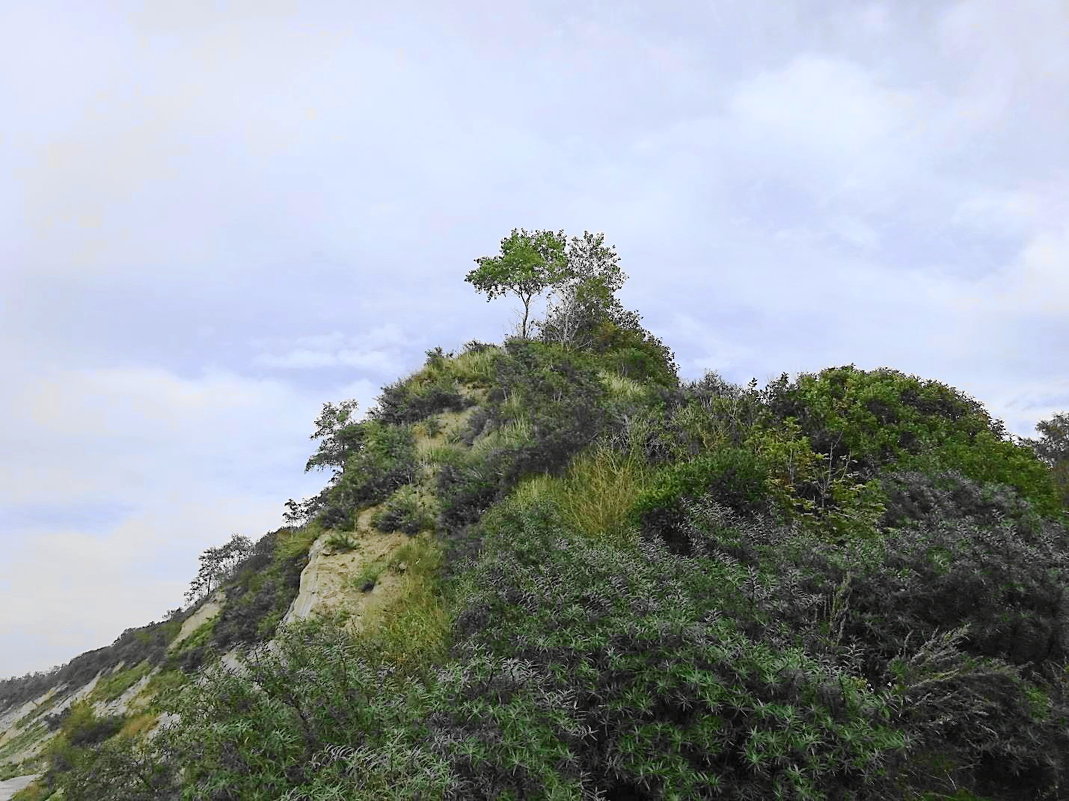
(341, 542)
(319, 716)
(369, 574)
(408, 510)
(263, 588)
(962, 620)
(559, 398)
(434, 389)
(384, 461)
(630, 674)
(732, 477)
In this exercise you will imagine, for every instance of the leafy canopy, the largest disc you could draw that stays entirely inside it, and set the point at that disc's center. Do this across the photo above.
(530, 262)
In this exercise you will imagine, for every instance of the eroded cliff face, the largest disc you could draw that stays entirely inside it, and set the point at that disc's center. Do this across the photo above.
(349, 574)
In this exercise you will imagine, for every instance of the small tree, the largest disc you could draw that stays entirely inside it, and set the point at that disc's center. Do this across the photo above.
(586, 295)
(1053, 448)
(216, 564)
(530, 263)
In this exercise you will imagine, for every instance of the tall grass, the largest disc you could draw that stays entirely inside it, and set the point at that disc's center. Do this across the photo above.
(474, 367)
(623, 388)
(595, 495)
(511, 435)
(413, 623)
(599, 489)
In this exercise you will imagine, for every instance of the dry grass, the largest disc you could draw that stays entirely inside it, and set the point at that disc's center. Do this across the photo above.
(139, 724)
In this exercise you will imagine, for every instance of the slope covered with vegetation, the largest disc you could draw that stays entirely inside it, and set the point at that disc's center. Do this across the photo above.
(850, 584)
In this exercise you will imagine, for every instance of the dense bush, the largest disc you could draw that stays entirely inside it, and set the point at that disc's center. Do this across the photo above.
(880, 419)
(732, 476)
(384, 461)
(965, 622)
(557, 394)
(260, 592)
(407, 510)
(625, 673)
(410, 401)
(319, 716)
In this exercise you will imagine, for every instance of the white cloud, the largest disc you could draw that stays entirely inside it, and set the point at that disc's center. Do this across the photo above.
(378, 351)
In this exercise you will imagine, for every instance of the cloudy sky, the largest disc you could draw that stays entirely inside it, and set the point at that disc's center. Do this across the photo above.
(215, 216)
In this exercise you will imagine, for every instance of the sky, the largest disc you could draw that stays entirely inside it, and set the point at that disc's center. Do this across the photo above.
(217, 216)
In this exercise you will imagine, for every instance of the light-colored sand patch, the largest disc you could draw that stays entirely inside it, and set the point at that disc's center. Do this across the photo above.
(329, 583)
(11, 786)
(208, 610)
(131, 700)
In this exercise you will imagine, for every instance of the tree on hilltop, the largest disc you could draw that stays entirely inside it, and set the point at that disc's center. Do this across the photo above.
(530, 263)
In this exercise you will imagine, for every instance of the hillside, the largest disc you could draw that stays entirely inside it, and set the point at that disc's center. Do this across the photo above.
(546, 569)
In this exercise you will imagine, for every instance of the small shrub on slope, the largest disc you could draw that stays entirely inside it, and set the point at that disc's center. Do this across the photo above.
(407, 510)
(732, 476)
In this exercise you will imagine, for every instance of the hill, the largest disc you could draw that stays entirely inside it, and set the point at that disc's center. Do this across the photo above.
(548, 569)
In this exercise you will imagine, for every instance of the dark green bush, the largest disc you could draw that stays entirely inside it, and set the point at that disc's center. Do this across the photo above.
(732, 477)
(409, 402)
(628, 674)
(259, 595)
(965, 621)
(407, 510)
(913, 496)
(384, 461)
(558, 393)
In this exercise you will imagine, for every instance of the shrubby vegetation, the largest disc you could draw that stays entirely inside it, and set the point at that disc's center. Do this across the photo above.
(849, 584)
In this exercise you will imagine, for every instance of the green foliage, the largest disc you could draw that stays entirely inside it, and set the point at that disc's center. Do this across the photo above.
(263, 588)
(341, 542)
(218, 564)
(733, 477)
(530, 263)
(368, 575)
(625, 672)
(115, 684)
(408, 510)
(384, 460)
(81, 726)
(557, 393)
(988, 459)
(320, 716)
(35, 791)
(339, 436)
(1052, 447)
(977, 609)
(872, 418)
(434, 389)
(412, 628)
